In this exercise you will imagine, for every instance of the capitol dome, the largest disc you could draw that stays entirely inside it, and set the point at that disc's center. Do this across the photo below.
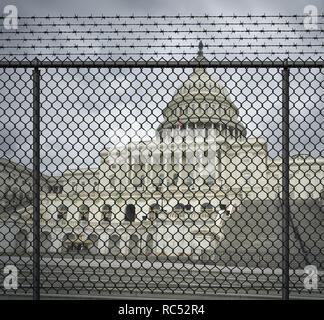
(202, 102)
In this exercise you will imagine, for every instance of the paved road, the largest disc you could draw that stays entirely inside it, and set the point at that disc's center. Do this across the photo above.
(108, 278)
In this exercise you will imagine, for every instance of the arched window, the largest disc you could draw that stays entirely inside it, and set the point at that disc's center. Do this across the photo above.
(130, 213)
(222, 206)
(62, 211)
(84, 212)
(57, 189)
(207, 207)
(179, 208)
(106, 212)
(156, 208)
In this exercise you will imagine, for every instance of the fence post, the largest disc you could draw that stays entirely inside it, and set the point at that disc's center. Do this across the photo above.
(36, 184)
(285, 182)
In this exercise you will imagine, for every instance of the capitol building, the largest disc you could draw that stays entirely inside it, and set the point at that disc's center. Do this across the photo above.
(172, 195)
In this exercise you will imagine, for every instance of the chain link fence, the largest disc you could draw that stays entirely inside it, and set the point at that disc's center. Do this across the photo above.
(197, 177)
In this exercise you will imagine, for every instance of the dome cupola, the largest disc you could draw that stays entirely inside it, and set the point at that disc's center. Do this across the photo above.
(202, 102)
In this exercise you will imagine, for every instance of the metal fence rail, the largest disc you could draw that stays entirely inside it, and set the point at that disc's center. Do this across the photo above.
(160, 177)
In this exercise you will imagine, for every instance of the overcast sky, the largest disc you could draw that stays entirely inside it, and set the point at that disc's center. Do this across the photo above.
(125, 7)
(256, 99)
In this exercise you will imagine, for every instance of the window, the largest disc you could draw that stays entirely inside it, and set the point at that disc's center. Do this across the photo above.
(207, 207)
(179, 208)
(156, 209)
(130, 213)
(222, 206)
(210, 181)
(62, 211)
(57, 189)
(84, 213)
(107, 213)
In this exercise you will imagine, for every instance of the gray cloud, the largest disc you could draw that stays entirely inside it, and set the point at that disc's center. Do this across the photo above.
(126, 7)
(128, 107)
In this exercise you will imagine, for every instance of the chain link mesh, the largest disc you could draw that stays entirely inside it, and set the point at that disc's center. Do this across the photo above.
(161, 177)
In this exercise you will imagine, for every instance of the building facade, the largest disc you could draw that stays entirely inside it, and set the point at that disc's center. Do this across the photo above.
(171, 195)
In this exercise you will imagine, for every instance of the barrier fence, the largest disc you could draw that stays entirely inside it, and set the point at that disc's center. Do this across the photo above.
(192, 177)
